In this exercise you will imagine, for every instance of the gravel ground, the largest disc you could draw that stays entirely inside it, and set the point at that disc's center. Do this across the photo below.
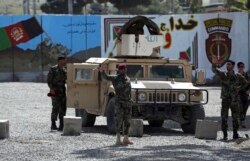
(28, 109)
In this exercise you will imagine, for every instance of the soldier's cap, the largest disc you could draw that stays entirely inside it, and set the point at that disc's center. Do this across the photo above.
(231, 61)
(240, 64)
(61, 58)
(122, 66)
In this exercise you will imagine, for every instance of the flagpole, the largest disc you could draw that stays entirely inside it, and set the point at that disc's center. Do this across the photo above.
(41, 49)
(46, 34)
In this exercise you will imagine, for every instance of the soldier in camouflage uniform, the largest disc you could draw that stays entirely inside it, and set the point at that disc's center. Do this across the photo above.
(56, 81)
(244, 93)
(231, 84)
(122, 86)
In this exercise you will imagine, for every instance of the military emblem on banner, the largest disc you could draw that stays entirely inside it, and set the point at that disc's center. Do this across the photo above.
(218, 44)
(17, 33)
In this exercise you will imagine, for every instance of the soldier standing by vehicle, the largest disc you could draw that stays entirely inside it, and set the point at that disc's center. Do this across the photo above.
(56, 81)
(231, 84)
(122, 86)
(244, 93)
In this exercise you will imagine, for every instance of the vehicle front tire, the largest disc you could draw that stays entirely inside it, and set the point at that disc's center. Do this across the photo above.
(155, 123)
(88, 120)
(193, 113)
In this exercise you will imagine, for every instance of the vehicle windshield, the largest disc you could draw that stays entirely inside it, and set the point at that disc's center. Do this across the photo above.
(135, 71)
(163, 71)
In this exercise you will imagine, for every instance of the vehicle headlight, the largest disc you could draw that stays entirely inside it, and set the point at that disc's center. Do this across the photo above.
(182, 97)
(142, 96)
(197, 93)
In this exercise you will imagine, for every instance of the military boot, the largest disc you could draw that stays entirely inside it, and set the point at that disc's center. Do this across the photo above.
(53, 125)
(236, 135)
(126, 141)
(118, 139)
(61, 125)
(225, 135)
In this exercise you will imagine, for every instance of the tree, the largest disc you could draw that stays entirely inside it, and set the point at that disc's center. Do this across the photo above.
(100, 7)
(96, 8)
(157, 7)
(61, 6)
(124, 5)
(248, 4)
(148, 6)
(237, 5)
(195, 6)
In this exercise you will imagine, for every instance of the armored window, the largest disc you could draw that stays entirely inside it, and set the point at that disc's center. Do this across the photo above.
(135, 71)
(163, 71)
(83, 74)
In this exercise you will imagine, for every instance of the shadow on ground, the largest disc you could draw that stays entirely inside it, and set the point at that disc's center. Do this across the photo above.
(167, 152)
(152, 131)
(169, 128)
(158, 153)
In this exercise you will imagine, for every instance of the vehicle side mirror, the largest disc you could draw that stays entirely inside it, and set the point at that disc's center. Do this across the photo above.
(200, 77)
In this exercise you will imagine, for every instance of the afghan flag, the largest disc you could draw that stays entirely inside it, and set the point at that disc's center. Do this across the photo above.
(20, 32)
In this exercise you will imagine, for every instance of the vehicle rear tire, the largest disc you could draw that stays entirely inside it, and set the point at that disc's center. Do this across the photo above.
(88, 120)
(193, 113)
(111, 116)
(155, 123)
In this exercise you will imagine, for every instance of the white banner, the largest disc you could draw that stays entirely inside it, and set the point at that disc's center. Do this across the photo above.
(198, 38)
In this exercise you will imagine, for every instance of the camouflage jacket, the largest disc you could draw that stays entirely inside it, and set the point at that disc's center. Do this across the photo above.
(244, 90)
(121, 85)
(57, 78)
(231, 84)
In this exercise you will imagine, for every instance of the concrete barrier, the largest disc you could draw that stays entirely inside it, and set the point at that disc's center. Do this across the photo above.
(136, 127)
(4, 129)
(72, 126)
(206, 129)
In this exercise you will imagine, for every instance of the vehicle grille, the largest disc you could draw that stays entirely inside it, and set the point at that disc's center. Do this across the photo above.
(162, 97)
(170, 96)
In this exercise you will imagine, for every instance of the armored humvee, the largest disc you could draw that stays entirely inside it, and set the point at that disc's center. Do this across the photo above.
(161, 88)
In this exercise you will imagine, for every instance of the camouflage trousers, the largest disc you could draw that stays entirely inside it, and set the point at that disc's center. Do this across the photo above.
(235, 110)
(59, 107)
(243, 107)
(122, 115)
